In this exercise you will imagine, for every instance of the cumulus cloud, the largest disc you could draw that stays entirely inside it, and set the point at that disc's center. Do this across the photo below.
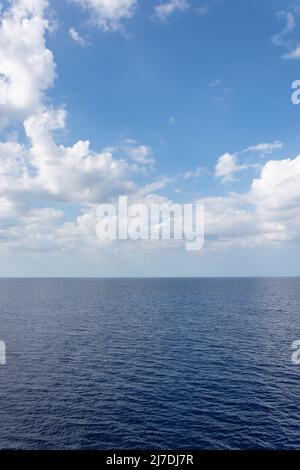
(75, 177)
(40, 171)
(27, 67)
(109, 15)
(39, 176)
(227, 166)
(278, 186)
(228, 224)
(164, 10)
(41, 168)
(268, 214)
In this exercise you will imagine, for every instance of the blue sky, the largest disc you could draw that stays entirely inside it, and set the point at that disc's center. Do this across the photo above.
(203, 87)
(119, 88)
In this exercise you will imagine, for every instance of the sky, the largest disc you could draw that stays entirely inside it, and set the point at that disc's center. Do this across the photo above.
(178, 101)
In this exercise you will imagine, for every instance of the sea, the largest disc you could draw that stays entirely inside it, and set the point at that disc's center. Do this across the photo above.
(98, 364)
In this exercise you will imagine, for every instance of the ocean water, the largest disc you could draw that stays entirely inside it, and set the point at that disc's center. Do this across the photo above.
(149, 364)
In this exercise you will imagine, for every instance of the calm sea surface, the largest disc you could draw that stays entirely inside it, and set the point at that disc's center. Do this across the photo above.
(139, 364)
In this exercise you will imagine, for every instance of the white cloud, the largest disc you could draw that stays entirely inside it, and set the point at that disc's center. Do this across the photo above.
(150, 188)
(228, 222)
(77, 37)
(194, 174)
(280, 39)
(109, 15)
(92, 177)
(227, 166)
(164, 10)
(73, 174)
(77, 177)
(294, 54)
(278, 186)
(27, 67)
(265, 148)
(42, 170)
(8, 209)
(266, 215)
(140, 154)
(37, 230)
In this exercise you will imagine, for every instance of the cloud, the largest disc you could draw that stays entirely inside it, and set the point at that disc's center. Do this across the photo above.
(44, 183)
(280, 39)
(92, 176)
(75, 177)
(109, 15)
(39, 171)
(227, 166)
(294, 54)
(265, 148)
(231, 221)
(37, 230)
(199, 171)
(150, 188)
(27, 67)
(77, 37)
(140, 154)
(278, 186)
(268, 214)
(164, 10)
(8, 209)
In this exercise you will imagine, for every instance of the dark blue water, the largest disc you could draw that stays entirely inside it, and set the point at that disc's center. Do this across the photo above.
(125, 364)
